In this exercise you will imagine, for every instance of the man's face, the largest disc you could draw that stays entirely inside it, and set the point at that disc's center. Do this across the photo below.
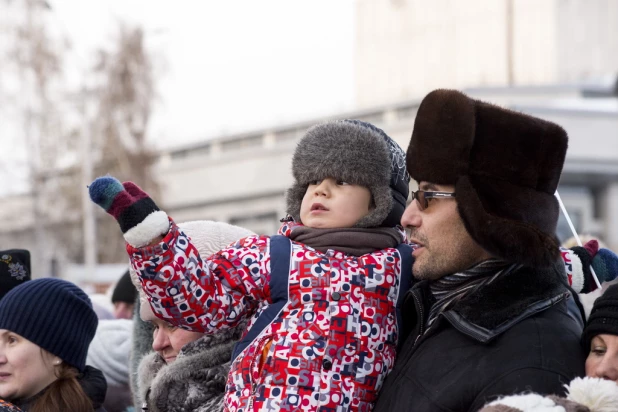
(445, 247)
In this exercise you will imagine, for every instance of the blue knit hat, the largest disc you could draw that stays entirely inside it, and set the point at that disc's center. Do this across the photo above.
(53, 314)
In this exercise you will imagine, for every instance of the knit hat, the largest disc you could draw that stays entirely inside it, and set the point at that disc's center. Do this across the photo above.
(603, 318)
(110, 350)
(356, 152)
(53, 314)
(124, 290)
(139, 217)
(505, 167)
(14, 269)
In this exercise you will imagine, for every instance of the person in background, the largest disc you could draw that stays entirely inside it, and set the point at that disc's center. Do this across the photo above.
(600, 337)
(46, 326)
(123, 297)
(109, 352)
(187, 370)
(14, 269)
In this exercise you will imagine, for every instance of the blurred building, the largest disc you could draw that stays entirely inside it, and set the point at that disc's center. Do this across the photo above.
(242, 178)
(406, 48)
(539, 57)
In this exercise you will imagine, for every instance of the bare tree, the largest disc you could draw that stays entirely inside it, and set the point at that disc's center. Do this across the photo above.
(122, 98)
(112, 109)
(35, 60)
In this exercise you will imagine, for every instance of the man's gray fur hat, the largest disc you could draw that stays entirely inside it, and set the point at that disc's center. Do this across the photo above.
(358, 153)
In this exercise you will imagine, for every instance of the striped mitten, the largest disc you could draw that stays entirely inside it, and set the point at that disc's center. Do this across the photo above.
(139, 217)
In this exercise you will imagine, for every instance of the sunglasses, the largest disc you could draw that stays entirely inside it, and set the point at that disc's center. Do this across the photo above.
(422, 197)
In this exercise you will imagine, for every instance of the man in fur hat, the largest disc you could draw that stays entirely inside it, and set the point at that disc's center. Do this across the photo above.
(489, 314)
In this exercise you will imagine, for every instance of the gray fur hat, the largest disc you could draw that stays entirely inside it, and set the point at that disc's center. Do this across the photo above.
(359, 153)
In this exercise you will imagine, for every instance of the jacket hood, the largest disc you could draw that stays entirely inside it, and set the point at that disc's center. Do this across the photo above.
(195, 381)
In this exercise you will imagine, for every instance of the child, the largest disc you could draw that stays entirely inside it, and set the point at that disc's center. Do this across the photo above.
(322, 296)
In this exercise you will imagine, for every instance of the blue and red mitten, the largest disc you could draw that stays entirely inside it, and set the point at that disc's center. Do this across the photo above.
(140, 219)
(580, 259)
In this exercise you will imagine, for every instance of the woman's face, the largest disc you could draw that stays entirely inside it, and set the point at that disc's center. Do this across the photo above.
(25, 369)
(169, 339)
(602, 361)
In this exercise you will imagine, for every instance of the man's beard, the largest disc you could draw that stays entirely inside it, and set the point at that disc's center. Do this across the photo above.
(454, 256)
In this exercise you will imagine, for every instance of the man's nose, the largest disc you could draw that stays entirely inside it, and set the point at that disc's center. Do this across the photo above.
(411, 216)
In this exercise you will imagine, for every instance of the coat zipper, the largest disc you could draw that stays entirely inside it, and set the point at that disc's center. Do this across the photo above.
(422, 317)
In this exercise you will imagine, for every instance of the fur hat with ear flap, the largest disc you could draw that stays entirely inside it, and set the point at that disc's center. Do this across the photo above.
(356, 152)
(584, 395)
(505, 167)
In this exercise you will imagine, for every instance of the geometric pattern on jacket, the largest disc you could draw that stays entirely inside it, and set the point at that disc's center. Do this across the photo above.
(328, 345)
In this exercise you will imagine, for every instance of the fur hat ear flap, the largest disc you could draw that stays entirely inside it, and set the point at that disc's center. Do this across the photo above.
(517, 239)
(294, 198)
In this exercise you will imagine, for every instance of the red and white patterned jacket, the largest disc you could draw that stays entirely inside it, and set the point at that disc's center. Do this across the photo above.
(323, 327)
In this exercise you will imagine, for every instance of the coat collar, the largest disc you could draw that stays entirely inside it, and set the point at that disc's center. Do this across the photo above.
(494, 308)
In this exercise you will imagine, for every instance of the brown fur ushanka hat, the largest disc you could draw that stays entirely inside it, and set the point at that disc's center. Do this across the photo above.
(505, 167)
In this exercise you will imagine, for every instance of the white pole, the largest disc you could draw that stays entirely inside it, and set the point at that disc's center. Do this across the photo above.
(577, 239)
(88, 222)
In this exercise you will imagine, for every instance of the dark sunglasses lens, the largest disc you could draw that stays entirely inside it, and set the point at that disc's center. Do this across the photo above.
(419, 195)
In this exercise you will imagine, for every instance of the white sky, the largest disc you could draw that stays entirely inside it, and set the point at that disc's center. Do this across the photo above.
(221, 66)
(226, 66)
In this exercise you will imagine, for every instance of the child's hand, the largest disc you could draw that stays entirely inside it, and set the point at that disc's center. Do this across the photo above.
(580, 259)
(139, 218)
(605, 265)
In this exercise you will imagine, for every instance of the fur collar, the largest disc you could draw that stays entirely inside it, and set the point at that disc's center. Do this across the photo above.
(504, 301)
(195, 381)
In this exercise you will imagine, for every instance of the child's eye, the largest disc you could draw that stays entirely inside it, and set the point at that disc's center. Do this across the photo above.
(314, 182)
(12, 339)
(342, 183)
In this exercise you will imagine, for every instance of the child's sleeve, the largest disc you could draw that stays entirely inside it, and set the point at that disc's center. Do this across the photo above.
(195, 294)
(202, 295)
(581, 261)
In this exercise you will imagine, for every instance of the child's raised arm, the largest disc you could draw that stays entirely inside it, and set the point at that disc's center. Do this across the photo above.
(195, 294)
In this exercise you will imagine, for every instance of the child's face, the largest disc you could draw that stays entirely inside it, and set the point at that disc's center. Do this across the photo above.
(331, 203)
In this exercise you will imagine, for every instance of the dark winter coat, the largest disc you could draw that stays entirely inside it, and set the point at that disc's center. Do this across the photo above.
(93, 383)
(513, 335)
(195, 381)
